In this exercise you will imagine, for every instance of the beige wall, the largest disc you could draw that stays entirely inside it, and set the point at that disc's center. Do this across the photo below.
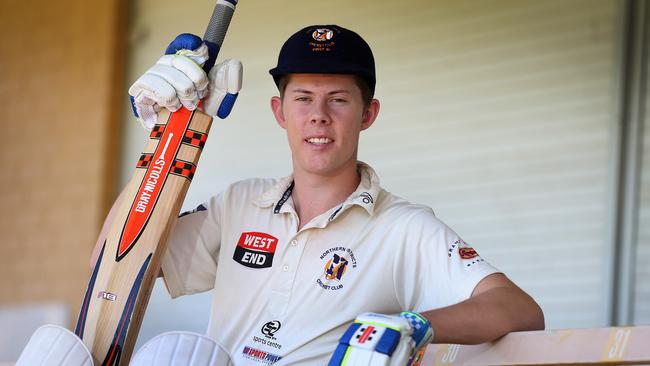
(61, 64)
(641, 303)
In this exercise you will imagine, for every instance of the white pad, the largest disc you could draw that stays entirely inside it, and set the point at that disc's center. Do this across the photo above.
(181, 349)
(52, 345)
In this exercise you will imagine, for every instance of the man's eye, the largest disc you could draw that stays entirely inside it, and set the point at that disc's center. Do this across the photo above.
(302, 99)
(339, 100)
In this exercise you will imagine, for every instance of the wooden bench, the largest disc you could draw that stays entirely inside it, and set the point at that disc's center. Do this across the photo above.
(592, 346)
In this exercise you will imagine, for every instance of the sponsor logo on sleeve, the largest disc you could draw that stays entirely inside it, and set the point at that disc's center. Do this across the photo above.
(255, 250)
(465, 252)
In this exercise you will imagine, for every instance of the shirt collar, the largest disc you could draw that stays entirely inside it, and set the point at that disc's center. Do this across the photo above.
(277, 195)
(365, 195)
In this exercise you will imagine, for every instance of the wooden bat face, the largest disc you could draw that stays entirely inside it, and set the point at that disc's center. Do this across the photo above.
(122, 280)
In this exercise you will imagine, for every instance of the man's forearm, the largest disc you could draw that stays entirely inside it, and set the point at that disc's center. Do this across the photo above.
(486, 317)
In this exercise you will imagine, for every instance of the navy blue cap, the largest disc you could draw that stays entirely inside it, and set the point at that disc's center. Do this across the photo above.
(326, 49)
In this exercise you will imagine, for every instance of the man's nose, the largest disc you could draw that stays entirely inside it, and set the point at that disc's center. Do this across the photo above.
(319, 113)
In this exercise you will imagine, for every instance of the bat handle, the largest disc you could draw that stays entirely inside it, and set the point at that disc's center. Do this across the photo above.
(219, 21)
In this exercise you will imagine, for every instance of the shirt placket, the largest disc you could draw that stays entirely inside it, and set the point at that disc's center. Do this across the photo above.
(285, 277)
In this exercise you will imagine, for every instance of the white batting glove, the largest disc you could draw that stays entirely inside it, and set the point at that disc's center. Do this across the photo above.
(382, 340)
(179, 79)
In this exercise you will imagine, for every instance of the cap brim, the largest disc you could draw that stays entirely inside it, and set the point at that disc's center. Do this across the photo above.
(315, 68)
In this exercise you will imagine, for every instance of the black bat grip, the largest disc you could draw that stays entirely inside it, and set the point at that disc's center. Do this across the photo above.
(221, 16)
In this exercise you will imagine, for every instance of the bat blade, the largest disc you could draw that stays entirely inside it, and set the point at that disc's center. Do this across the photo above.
(122, 280)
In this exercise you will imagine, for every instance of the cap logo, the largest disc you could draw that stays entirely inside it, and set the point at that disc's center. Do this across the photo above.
(322, 34)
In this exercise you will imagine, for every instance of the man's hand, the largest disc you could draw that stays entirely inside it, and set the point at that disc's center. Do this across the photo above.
(184, 76)
(386, 340)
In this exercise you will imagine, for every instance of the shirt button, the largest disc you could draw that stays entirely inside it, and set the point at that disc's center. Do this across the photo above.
(285, 268)
(294, 242)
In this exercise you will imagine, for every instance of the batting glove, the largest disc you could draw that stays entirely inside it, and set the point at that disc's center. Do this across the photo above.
(184, 76)
(382, 340)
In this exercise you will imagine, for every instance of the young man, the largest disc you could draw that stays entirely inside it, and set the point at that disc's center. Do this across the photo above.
(294, 261)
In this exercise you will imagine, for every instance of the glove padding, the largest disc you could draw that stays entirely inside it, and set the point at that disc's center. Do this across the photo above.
(183, 77)
(382, 340)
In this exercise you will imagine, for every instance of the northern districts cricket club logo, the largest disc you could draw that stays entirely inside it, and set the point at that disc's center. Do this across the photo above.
(335, 267)
(338, 261)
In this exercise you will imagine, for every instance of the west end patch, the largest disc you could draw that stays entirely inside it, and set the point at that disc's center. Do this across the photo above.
(255, 249)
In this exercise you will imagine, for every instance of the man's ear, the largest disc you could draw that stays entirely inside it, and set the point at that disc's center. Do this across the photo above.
(276, 108)
(370, 114)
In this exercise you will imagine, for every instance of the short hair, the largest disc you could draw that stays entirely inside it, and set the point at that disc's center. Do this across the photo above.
(366, 94)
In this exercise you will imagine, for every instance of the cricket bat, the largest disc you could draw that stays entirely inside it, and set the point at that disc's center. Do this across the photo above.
(122, 280)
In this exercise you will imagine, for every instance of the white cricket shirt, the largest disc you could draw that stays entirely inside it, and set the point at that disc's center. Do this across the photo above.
(285, 296)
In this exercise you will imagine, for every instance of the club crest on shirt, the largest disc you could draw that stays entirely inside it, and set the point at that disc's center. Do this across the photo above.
(335, 267)
(255, 249)
(337, 261)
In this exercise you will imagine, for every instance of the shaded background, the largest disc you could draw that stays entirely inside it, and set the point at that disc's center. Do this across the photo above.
(521, 123)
